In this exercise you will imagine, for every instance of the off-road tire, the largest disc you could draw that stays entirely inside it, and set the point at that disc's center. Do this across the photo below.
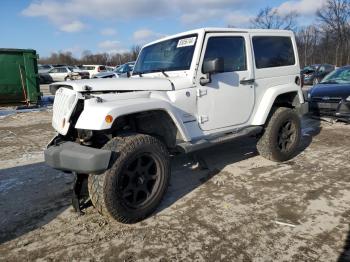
(103, 189)
(268, 144)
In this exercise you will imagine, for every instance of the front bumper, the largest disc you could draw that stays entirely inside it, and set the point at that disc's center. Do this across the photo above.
(336, 109)
(70, 156)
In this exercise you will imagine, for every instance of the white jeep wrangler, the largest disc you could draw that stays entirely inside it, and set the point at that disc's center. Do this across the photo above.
(187, 92)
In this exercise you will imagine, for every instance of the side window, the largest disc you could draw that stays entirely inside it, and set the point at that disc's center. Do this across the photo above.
(273, 51)
(231, 49)
(62, 70)
(54, 70)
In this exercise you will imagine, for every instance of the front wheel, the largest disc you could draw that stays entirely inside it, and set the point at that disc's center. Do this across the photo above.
(281, 137)
(136, 182)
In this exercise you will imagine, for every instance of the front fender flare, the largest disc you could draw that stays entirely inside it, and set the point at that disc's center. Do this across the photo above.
(93, 115)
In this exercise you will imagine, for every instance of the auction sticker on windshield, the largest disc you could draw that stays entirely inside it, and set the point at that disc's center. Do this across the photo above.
(187, 42)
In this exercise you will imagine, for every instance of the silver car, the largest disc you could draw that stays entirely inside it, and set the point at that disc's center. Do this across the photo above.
(121, 71)
(65, 73)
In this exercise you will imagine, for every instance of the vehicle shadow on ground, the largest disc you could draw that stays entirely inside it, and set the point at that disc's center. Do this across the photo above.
(185, 178)
(30, 197)
(33, 195)
(345, 255)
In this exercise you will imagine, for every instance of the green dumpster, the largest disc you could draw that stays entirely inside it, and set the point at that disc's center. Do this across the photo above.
(19, 81)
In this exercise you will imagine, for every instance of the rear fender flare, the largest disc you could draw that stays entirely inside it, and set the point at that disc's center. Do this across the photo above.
(269, 98)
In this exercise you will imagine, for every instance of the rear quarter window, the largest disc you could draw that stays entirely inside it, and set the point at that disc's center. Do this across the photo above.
(273, 51)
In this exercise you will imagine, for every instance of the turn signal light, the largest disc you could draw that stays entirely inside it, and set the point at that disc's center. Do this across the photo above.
(109, 119)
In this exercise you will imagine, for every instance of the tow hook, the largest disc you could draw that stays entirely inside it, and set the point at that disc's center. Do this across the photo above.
(80, 197)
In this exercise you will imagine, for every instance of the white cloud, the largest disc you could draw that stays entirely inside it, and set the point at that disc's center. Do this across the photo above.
(146, 35)
(201, 15)
(302, 7)
(238, 19)
(67, 15)
(189, 6)
(109, 44)
(63, 12)
(74, 26)
(108, 31)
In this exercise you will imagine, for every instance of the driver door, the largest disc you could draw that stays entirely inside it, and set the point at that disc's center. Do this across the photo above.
(228, 99)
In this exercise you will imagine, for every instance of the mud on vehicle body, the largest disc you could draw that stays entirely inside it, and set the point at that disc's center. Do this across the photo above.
(187, 92)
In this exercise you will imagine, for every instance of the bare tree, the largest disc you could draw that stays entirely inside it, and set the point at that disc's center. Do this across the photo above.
(308, 39)
(270, 18)
(88, 57)
(334, 18)
(135, 50)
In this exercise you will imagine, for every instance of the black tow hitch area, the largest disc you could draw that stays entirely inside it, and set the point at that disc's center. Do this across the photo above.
(80, 197)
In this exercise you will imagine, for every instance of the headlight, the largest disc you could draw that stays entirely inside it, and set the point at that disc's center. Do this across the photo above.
(348, 99)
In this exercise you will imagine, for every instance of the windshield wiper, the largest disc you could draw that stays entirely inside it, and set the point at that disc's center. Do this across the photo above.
(165, 74)
(152, 71)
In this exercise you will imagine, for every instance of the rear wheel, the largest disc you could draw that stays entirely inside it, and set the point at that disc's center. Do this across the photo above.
(281, 136)
(137, 181)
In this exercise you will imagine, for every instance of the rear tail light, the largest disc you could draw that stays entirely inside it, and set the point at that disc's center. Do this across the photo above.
(98, 69)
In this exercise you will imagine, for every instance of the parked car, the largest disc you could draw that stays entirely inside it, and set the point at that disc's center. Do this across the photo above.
(110, 68)
(44, 68)
(121, 71)
(312, 75)
(65, 73)
(331, 97)
(188, 92)
(93, 69)
(45, 78)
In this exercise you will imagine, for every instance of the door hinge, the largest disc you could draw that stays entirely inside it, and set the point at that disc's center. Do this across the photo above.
(201, 92)
(203, 119)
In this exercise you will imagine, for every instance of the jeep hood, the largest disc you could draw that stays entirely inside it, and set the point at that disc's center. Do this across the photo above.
(117, 84)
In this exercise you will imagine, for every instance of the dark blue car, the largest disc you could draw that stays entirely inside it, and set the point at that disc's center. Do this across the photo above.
(331, 97)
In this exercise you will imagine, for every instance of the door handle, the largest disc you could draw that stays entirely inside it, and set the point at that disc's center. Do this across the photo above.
(247, 81)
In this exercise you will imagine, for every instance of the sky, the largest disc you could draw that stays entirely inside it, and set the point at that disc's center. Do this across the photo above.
(115, 25)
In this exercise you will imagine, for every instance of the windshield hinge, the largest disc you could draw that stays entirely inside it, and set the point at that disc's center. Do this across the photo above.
(203, 119)
(201, 92)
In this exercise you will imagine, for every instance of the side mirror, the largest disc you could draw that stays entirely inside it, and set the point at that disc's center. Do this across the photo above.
(213, 66)
(128, 74)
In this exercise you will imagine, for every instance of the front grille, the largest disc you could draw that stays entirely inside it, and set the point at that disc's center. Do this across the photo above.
(322, 106)
(326, 99)
(64, 104)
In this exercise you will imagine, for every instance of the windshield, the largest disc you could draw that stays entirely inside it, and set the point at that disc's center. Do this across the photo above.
(44, 67)
(339, 76)
(123, 69)
(309, 69)
(169, 55)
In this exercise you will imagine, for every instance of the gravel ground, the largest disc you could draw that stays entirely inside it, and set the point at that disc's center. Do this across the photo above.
(244, 208)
